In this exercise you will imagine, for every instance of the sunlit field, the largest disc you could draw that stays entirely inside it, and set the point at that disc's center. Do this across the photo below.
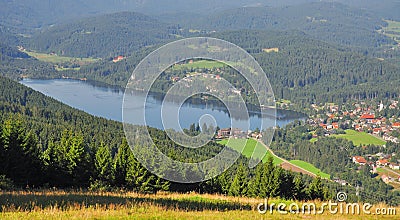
(360, 138)
(121, 205)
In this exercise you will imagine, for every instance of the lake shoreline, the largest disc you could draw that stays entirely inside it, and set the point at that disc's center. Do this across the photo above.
(106, 101)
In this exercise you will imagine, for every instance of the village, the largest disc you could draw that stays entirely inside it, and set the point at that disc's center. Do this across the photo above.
(369, 121)
(237, 133)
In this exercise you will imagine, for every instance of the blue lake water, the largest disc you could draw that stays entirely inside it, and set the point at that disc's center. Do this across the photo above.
(107, 102)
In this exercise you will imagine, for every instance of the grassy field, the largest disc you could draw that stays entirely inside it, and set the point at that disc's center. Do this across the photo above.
(311, 168)
(204, 64)
(360, 138)
(393, 30)
(251, 146)
(392, 173)
(313, 140)
(89, 205)
(60, 59)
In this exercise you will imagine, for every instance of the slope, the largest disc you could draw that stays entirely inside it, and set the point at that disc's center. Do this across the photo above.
(303, 70)
(327, 21)
(103, 36)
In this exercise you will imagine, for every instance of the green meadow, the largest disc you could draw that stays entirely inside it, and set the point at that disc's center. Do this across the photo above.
(200, 64)
(360, 138)
(393, 30)
(251, 147)
(311, 168)
(59, 59)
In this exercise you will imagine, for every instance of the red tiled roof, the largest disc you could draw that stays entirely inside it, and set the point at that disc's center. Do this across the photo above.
(396, 125)
(360, 159)
(367, 116)
(383, 161)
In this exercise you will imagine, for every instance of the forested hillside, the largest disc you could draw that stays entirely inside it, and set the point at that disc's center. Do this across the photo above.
(388, 9)
(46, 143)
(37, 13)
(16, 64)
(103, 36)
(329, 22)
(303, 70)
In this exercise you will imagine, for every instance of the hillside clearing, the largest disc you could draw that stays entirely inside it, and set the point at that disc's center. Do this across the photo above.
(311, 168)
(200, 64)
(392, 30)
(251, 146)
(53, 58)
(360, 138)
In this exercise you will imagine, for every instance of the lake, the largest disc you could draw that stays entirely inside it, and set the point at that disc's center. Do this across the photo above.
(106, 102)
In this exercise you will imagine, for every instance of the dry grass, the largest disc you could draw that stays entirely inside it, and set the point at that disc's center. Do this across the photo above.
(121, 205)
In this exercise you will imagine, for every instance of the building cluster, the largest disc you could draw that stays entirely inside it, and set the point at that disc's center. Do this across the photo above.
(380, 161)
(237, 133)
(360, 119)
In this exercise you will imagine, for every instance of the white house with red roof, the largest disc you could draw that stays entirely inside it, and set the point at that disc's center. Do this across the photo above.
(382, 162)
(359, 160)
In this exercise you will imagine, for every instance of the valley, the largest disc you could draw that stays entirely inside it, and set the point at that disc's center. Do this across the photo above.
(331, 128)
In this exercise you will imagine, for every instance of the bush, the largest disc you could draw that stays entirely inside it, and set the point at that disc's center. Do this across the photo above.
(5, 183)
(98, 185)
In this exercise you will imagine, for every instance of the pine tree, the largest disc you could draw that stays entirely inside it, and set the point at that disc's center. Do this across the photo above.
(267, 188)
(239, 184)
(255, 182)
(298, 187)
(19, 154)
(104, 165)
(121, 163)
(315, 189)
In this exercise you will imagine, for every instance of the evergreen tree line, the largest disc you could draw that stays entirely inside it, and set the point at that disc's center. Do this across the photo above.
(70, 162)
(45, 143)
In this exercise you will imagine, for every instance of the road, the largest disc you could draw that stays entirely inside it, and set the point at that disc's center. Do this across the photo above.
(286, 164)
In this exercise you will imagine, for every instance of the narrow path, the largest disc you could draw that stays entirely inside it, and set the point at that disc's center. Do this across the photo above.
(390, 170)
(301, 170)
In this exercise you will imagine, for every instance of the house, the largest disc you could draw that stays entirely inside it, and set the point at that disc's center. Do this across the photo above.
(385, 178)
(359, 160)
(226, 132)
(377, 131)
(368, 117)
(394, 166)
(341, 182)
(237, 132)
(382, 162)
(175, 78)
(118, 58)
(396, 125)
